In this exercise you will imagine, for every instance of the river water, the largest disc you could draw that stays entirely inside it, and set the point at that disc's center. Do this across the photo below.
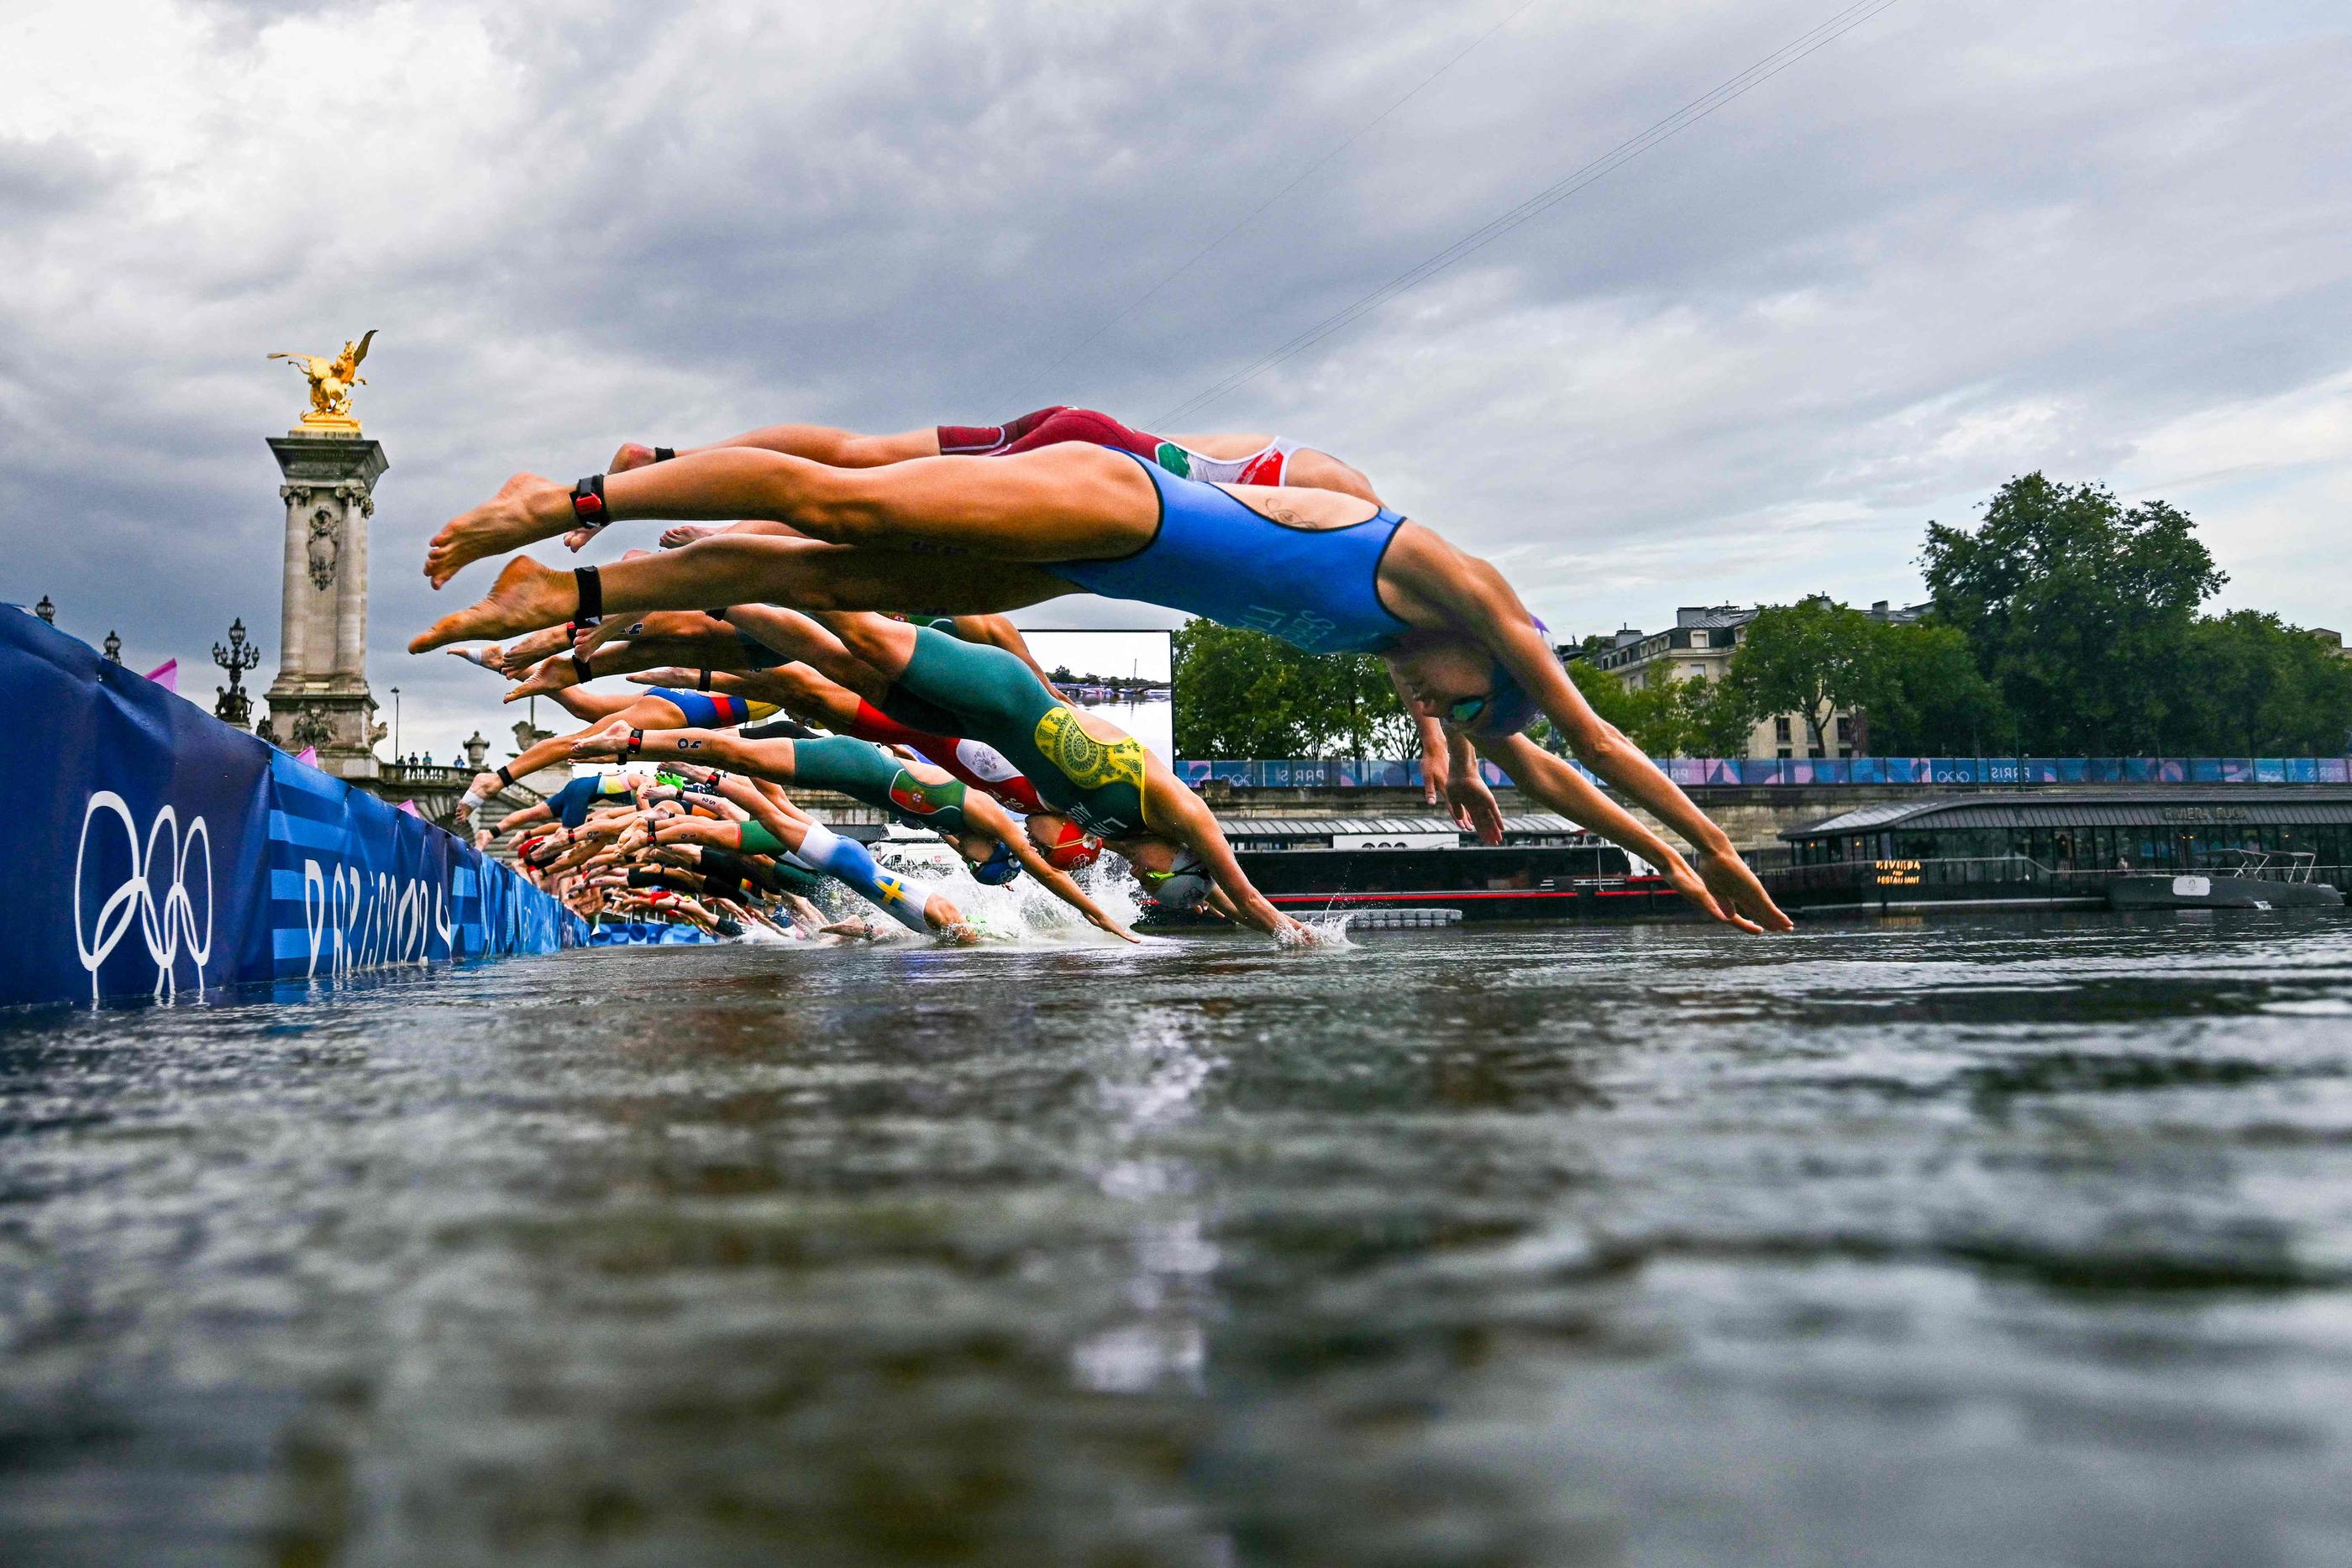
(1986, 1241)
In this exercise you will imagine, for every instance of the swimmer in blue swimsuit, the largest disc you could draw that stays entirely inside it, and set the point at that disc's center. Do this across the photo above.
(1324, 570)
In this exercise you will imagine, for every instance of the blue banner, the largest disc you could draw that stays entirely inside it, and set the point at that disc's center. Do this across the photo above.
(155, 850)
(645, 934)
(1327, 773)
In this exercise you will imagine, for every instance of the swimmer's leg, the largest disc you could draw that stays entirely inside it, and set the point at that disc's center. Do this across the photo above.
(903, 899)
(719, 572)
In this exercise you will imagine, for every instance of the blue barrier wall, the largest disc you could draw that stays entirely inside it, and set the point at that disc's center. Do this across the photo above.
(1342, 773)
(645, 934)
(153, 849)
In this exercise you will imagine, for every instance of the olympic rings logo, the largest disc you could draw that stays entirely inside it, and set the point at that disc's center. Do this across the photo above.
(164, 917)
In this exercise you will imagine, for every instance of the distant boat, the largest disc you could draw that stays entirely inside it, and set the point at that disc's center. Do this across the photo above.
(2251, 879)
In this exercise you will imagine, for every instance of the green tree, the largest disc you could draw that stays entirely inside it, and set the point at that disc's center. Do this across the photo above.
(1721, 719)
(1242, 693)
(1924, 696)
(2252, 686)
(2078, 611)
(1811, 657)
(1664, 718)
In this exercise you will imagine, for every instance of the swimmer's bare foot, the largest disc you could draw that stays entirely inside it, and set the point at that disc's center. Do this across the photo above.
(488, 658)
(681, 534)
(524, 652)
(586, 640)
(630, 456)
(526, 509)
(544, 679)
(526, 597)
(613, 740)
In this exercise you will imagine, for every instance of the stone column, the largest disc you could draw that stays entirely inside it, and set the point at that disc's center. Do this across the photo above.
(293, 640)
(321, 697)
(351, 586)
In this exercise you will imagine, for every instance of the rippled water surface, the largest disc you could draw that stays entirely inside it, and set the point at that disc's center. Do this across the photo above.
(2014, 1241)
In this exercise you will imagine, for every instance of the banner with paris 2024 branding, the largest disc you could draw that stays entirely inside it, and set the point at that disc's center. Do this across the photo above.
(154, 851)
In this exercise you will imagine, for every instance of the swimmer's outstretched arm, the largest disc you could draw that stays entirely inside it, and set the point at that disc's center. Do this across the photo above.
(994, 818)
(1473, 804)
(1472, 594)
(1564, 790)
(1184, 818)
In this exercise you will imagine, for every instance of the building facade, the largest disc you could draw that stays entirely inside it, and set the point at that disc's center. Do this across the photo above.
(1698, 647)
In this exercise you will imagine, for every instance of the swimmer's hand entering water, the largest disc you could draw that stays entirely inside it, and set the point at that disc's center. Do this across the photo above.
(1739, 896)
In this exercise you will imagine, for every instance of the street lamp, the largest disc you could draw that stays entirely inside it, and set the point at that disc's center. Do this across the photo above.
(46, 610)
(395, 724)
(233, 706)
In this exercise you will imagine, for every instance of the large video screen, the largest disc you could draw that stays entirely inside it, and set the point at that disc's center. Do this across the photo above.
(1125, 676)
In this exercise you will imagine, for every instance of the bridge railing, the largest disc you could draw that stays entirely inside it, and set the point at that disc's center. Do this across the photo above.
(1926, 772)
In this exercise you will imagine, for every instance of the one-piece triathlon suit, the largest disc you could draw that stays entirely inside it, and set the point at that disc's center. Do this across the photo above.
(1216, 556)
(715, 710)
(989, 695)
(1050, 426)
(867, 773)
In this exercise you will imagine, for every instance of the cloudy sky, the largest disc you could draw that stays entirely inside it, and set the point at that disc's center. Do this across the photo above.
(1970, 238)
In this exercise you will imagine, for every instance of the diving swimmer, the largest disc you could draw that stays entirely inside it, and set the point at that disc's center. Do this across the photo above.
(1324, 570)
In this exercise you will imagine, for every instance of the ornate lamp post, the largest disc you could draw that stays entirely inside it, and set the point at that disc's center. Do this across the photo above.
(113, 648)
(235, 706)
(46, 610)
(395, 724)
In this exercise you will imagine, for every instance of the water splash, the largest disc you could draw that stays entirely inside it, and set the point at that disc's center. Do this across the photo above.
(1022, 911)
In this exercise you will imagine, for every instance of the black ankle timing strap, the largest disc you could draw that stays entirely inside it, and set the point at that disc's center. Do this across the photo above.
(664, 454)
(580, 667)
(591, 586)
(702, 681)
(588, 502)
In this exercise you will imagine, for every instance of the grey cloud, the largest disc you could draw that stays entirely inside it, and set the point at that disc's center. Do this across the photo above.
(1954, 245)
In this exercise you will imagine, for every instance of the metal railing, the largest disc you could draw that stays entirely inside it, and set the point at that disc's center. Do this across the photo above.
(1929, 772)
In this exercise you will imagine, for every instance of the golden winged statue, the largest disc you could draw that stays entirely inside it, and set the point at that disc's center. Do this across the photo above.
(331, 380)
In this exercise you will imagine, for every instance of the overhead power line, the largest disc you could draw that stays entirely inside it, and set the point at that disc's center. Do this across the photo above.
(1681, 120)
(1132, 306)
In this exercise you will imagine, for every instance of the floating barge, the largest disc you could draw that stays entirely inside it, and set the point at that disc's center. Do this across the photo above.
(2090, 849)
(1546, 868)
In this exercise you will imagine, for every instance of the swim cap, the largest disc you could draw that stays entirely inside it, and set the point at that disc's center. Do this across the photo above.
(997, 869)
(1073, 849)
(1186, 886)
(1509, 708)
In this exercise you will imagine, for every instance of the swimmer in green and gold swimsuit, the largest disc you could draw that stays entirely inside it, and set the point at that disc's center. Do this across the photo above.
(1083, 766)
(994, 846)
